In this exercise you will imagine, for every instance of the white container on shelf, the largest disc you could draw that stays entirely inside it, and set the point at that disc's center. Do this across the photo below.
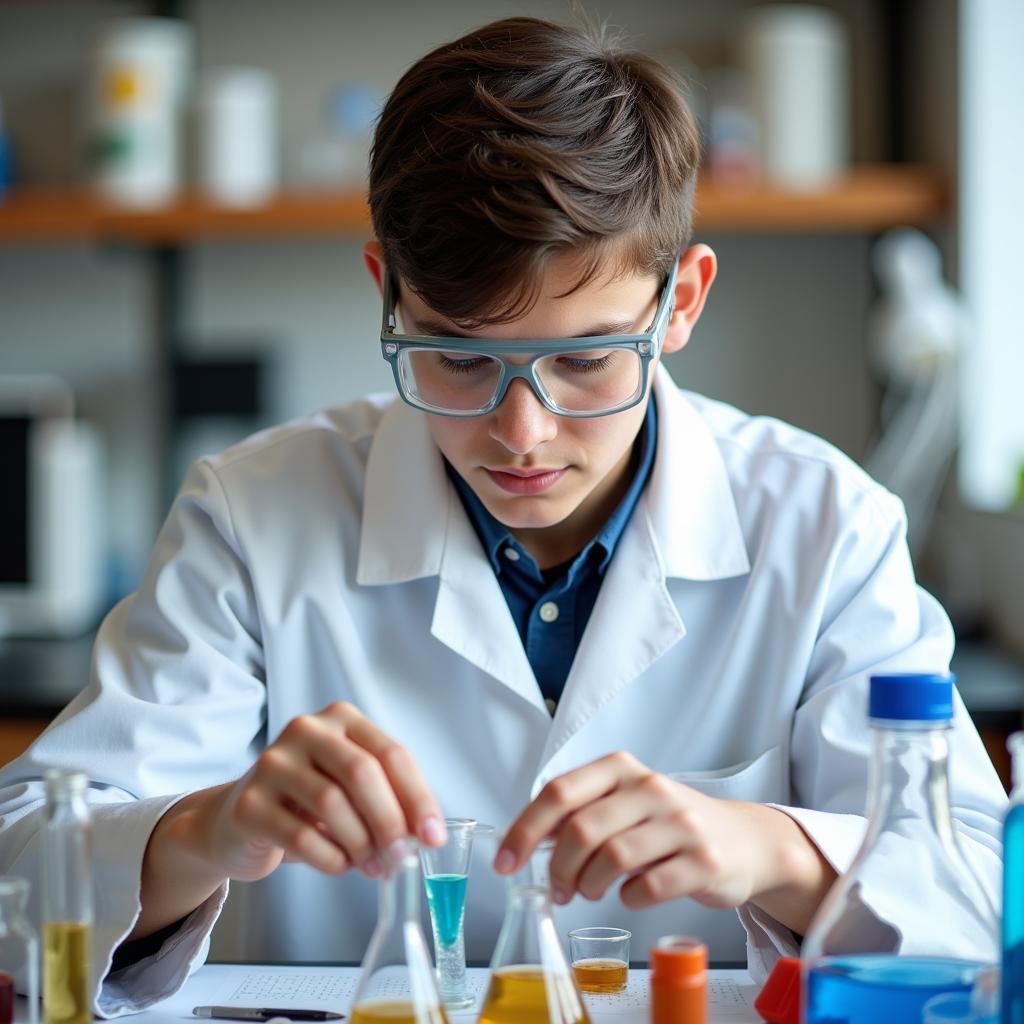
(798, 58)
(237, 132)
(141, 73)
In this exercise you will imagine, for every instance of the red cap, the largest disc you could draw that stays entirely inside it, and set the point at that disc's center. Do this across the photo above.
(678, 957)
(779, 1001)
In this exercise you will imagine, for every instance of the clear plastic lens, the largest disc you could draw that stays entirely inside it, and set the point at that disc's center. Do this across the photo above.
(591, 380)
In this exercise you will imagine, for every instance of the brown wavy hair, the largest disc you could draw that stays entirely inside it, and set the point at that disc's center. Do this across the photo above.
(523, 140)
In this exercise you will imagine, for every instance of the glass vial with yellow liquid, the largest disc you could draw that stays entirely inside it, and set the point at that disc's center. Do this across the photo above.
(397, 984)
(531, 982)
(67, 900)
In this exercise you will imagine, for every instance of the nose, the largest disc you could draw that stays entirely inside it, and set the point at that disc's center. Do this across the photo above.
(521, 422)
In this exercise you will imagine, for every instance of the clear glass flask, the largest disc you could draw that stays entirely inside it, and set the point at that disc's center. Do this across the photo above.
(1012, 1004)
(397, 983)
(67, 900)
(446, 877)
(531, 982)
(858, 969)
(19, 951)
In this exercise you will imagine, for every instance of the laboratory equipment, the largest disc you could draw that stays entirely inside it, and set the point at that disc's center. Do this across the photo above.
(1012, 1010)
(397, 984)
(19, 951)
(600, 958)
(855, 969)
(530, 978)
(67, 900)
(445, 877)
(679, 980)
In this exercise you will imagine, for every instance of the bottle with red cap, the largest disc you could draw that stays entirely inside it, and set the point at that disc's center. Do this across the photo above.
(679, 981)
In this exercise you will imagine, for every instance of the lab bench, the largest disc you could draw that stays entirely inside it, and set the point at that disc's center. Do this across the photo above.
(38, 677)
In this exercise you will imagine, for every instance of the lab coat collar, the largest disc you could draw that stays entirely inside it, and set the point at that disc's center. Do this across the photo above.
(688, 498)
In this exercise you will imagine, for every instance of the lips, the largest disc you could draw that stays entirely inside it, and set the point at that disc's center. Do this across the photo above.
(525, 481)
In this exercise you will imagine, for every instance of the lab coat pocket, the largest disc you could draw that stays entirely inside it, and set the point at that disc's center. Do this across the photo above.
(763, 780)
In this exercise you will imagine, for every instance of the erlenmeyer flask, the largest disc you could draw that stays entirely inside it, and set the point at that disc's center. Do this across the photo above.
(397, 984)
(530, 978)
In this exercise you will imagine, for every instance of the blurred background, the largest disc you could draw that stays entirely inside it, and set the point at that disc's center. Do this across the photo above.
(182, 212)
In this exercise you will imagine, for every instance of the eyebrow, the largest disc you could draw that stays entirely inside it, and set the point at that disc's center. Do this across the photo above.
(436, 329)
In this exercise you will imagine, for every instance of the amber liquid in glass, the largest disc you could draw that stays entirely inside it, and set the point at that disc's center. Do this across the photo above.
(519, 995)
(396, 1011)
(67, 970)
(600, 975)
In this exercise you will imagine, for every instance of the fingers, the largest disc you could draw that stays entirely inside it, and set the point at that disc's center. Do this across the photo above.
(422, 813)
(558, 800)
(334, 791)
(681, 875)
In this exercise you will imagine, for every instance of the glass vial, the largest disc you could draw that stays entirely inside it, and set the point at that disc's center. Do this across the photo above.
(67, 900)
(1012, 1011)
(530, 978)
(397, 983)
(19, 951)
(857, 968)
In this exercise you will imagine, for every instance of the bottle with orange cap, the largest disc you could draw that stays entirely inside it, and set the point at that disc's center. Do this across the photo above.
(679, 981)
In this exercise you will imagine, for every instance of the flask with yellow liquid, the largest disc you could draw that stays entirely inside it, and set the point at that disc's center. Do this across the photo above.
(67, 900)
(397, 983)
(530, 978)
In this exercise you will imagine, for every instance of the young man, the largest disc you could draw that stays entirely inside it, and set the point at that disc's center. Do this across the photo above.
(529, 593)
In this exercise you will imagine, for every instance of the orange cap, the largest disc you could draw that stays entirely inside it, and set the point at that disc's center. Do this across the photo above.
(679, 957)
(779, 1000)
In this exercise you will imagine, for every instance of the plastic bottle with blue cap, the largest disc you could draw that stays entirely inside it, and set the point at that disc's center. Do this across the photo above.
(857, 967)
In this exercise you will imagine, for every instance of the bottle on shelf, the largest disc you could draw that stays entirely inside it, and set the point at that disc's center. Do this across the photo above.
(397, 983)
(67, 900)
(857, 968)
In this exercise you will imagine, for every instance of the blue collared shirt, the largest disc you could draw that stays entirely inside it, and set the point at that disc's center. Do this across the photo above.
(551, 607)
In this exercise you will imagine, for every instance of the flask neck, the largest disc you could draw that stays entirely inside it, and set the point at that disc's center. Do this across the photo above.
(910, 777)
(399, 898)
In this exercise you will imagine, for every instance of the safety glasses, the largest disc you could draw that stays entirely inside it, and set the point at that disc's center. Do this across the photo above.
(575, 377)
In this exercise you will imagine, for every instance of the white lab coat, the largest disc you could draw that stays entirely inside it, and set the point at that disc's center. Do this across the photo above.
(760, 579)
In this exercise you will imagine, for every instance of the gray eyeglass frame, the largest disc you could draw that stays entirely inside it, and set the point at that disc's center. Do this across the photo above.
(647, 344)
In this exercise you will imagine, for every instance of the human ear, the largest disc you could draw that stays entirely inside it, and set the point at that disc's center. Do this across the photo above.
(373, 257)
(697, 269)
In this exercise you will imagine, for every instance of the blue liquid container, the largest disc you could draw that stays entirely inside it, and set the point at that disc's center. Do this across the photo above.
(1012, 1005)
(446, 895)
(883, 989)
(859, 968)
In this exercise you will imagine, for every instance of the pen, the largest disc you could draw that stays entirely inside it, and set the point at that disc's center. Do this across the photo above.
(262, 1013)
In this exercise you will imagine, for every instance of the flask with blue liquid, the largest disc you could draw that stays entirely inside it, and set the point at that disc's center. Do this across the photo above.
(1012, 1011)
(858, 968)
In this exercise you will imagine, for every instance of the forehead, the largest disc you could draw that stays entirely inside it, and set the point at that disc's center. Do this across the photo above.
(611, 302)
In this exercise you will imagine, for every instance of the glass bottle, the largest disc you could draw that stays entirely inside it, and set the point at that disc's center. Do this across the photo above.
(446, 876)
(530, 978)
(67, 900)
(1012, 1009)
(19, 951)
(397, 983)
(855, 969)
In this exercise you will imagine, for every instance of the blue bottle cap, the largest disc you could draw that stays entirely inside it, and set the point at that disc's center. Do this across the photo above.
(912, 696)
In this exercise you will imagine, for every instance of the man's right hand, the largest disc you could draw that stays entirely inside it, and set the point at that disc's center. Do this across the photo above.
(332, 791)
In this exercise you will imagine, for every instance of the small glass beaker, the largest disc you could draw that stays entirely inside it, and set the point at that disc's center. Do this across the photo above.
(445, 876)
(397, 983)
(530, 978)
(600, 958)
(19, 950)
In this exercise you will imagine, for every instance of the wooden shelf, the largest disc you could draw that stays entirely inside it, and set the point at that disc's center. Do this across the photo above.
(869, 198)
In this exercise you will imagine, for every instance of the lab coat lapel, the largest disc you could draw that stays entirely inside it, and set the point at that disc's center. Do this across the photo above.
(414, 526)
(686, 526)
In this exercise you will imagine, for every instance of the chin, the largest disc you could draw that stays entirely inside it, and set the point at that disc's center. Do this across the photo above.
(529, 514)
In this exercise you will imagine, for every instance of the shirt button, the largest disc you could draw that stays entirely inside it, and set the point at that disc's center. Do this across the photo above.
(548, 611)
(511, 554)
